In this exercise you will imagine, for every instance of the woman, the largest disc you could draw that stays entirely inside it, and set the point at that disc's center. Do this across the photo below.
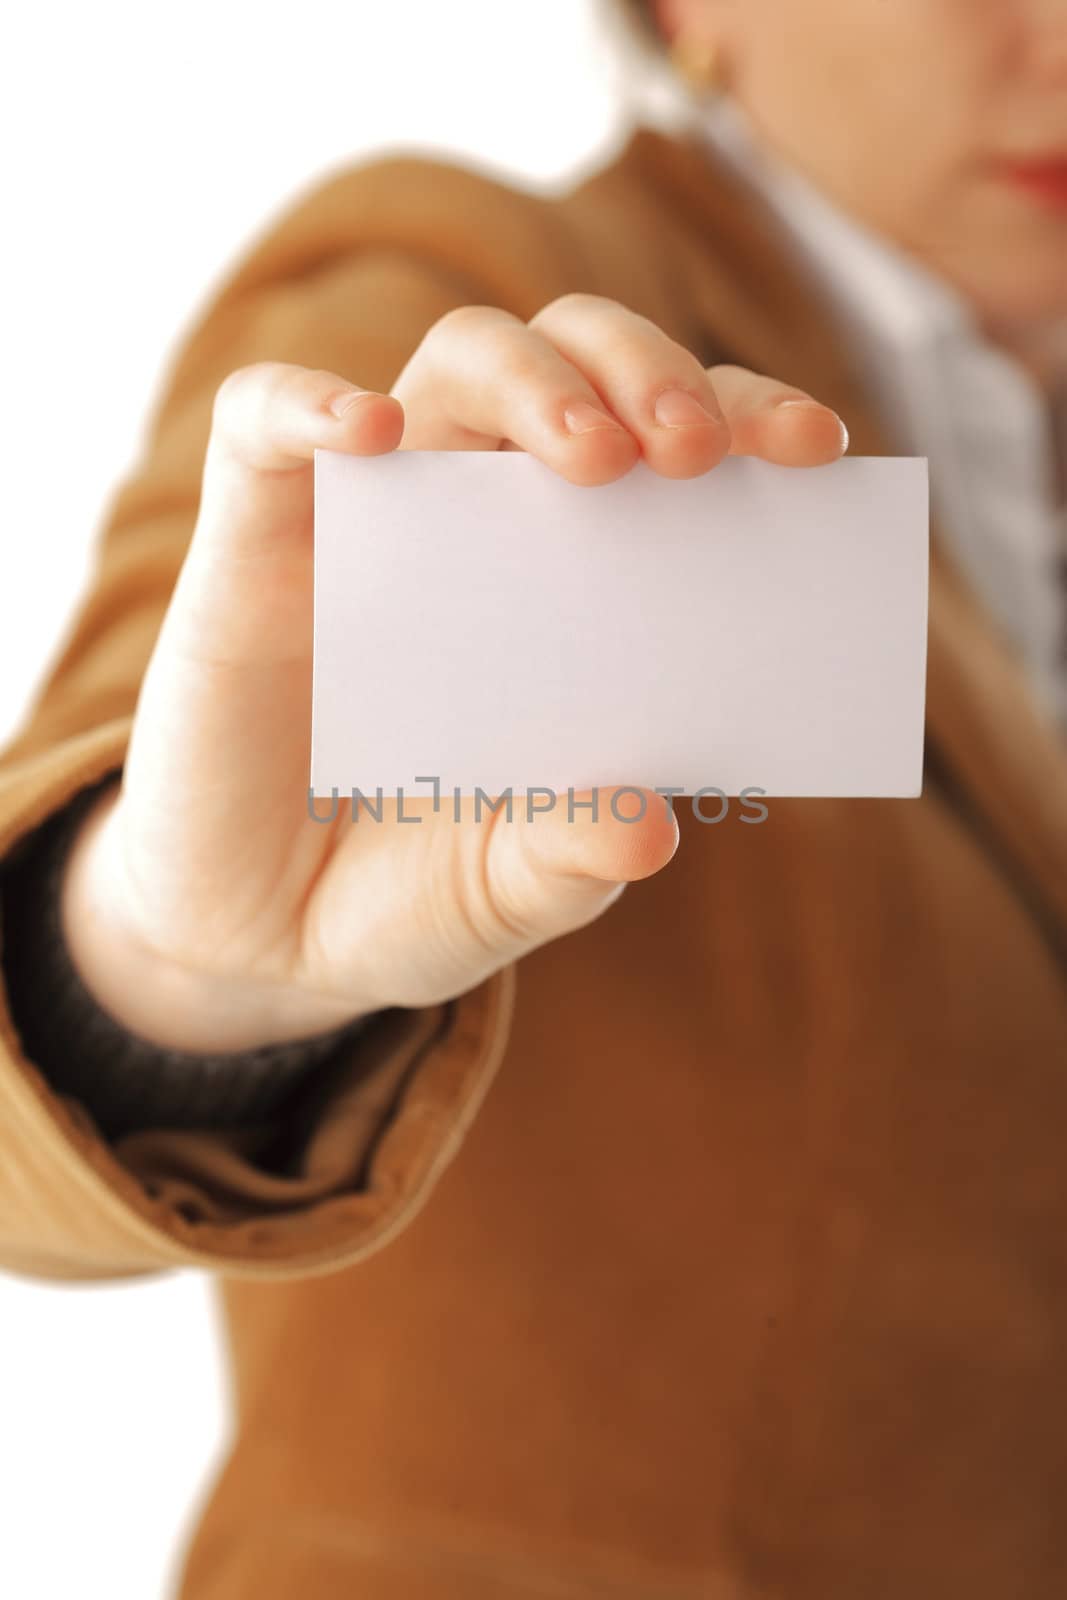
(716, 1248)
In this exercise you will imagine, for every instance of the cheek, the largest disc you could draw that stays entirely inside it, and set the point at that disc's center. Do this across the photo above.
(862, 153)
(868, 99)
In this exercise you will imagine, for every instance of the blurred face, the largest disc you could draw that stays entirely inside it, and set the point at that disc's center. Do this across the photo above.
(941, 123)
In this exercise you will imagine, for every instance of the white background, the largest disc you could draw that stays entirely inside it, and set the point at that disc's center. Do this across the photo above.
(142, 146)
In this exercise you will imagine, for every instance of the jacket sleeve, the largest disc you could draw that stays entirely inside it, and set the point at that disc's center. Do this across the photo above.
(124, 1081)
(348, 277)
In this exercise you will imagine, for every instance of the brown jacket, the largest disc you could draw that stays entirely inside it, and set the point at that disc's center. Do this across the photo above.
(718, 1249)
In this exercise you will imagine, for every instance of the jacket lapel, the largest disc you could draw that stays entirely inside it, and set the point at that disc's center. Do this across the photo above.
(986, 733)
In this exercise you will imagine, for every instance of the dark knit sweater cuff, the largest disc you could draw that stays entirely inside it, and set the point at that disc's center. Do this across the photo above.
(125, 1082)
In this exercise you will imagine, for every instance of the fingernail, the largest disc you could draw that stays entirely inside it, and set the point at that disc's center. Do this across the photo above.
(813, 405)
(343, 402)
(677, 408)
(581, 417)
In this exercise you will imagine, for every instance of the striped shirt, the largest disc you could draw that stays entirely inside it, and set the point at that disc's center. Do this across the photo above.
(995, 440)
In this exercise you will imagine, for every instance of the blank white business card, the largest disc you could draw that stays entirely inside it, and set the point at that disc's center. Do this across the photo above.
(482, 622)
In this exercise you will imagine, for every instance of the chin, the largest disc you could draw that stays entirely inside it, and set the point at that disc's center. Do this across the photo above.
(1020, 286)
(1027, 296)
(1016, 265)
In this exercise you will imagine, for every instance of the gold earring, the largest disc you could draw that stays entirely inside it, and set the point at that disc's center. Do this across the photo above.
(699, 61)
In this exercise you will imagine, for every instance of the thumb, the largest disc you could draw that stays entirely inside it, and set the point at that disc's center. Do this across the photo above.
(554, 870)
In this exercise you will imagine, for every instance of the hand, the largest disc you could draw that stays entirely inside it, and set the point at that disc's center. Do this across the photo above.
(203, 907)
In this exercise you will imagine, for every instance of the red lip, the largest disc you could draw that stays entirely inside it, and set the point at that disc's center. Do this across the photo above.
(1045, 179)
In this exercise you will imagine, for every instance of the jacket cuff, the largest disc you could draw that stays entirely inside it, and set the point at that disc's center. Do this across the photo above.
(127, 1082)
(313, 1184)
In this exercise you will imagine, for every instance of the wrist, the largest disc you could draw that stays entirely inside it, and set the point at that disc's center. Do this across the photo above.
(169, 1003)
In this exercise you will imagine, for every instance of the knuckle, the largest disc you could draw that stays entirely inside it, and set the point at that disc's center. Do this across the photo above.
(257, 380)
(458, 327)
(492, 913)
(467, 320)
(498, 914)
(479, 923)
(456, 913)
(227, 391)
(507, 920)
(574, 301)
(513, 357)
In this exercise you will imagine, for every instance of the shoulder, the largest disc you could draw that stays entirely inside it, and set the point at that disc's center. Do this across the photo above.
(523, 240)
(356, 264)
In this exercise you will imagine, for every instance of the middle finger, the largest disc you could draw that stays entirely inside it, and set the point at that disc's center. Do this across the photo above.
(655, 386)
